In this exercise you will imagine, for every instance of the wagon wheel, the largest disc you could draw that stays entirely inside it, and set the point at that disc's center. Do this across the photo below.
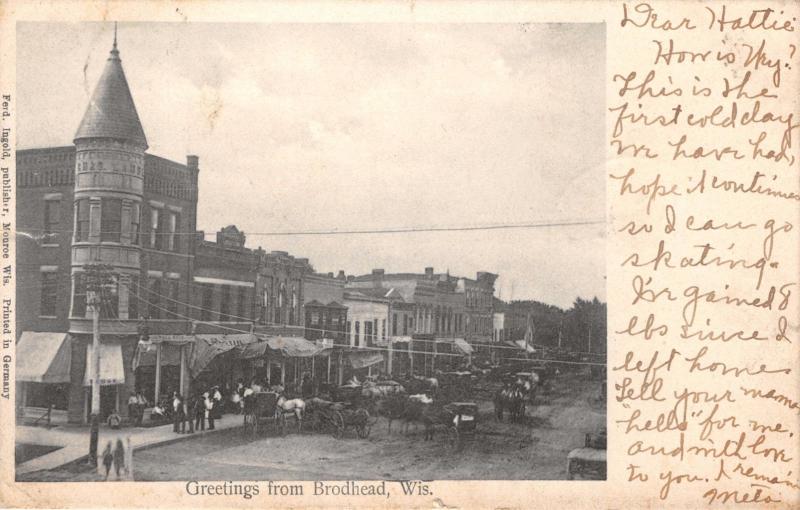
(337, 422)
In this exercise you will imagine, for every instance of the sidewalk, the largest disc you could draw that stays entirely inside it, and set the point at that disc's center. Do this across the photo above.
(74, 441)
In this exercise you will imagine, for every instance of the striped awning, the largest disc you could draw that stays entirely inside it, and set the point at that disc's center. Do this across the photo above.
(112, 370)
(43, 357)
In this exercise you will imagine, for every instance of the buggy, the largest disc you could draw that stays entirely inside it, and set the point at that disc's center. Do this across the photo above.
(589, 462)
(336, 417)
(461, 423)
(261, 408)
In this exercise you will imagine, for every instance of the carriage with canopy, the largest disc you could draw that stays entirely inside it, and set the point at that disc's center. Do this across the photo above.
(261, 409)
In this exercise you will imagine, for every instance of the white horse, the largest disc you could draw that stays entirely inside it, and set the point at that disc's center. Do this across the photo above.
(294, 406)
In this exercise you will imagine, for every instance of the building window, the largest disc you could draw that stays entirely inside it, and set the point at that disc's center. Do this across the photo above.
(155, 227)
(334, 320)
(292, 305)
(49, 294)
(109, 300)
(52, 217)
(172, 302)
(170, 243)
(383, 329)
(135, 211)
(79, 295)
(358, 334)
(368, 340)
(394, 324)
(314, 318)
(110, 219)
(242, 302)
(225, 304)
(154, 298)
(82, 220)
(207, 303)
(133, 297)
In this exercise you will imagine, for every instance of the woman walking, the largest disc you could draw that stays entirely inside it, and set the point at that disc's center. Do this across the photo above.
(108, 458)
(119, 458)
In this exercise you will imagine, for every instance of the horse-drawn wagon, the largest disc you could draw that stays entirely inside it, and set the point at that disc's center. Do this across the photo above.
(462, 423)
(336, 417)
(260, 409)
(589, 462)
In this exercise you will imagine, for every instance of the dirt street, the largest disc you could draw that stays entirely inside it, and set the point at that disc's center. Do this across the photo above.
(535, 450)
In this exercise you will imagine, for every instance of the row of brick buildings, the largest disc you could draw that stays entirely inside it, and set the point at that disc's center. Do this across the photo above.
(178, 311)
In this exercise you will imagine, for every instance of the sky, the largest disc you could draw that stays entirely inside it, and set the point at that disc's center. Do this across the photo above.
(308, 127)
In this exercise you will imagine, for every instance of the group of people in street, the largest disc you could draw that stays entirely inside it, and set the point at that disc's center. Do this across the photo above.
(196, 411)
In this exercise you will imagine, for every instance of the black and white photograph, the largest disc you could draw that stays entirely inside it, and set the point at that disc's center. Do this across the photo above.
(310, 251)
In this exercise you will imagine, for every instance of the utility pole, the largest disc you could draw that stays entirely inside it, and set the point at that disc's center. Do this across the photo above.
(96, 276)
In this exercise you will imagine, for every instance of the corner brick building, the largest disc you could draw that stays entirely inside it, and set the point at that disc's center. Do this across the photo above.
(102, 200)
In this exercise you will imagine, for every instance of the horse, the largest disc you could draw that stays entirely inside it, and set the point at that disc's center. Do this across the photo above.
(393, 407)
(414, 411)
(512, 399)
(371, 389)
(294, 406)
(419, 384)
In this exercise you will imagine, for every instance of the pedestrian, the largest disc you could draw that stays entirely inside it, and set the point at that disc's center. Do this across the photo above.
(119, 457)
(114, 420)
(209, 405)
(217, 398)
(186, 413)
(141, 403)
(199, 411)
(108, 458)
(133, 408)
(177, 408)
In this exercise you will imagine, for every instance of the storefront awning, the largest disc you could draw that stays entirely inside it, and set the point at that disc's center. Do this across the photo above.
(146, 355)
(286, 346)
(520, 344)
(292, 346)
(112, 370)
(208, 347)
(364, 359)
(463, 346)
(43, 357)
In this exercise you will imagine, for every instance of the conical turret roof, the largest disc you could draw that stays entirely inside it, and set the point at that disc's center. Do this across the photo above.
(111, 112)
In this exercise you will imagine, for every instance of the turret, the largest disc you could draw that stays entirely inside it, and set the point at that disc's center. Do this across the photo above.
(109, 181)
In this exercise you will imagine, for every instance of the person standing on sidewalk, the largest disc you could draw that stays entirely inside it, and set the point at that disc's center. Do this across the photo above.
(199, 412)
(177, 411)
(141, 403)
(133, 409)
(209, 405)
(186, 411)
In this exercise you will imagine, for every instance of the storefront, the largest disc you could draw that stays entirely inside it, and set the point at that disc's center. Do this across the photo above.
(42, 374)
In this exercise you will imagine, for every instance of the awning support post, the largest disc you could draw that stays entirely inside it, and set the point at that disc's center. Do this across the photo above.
(182, 387)
(389, 356)
(157, 389)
